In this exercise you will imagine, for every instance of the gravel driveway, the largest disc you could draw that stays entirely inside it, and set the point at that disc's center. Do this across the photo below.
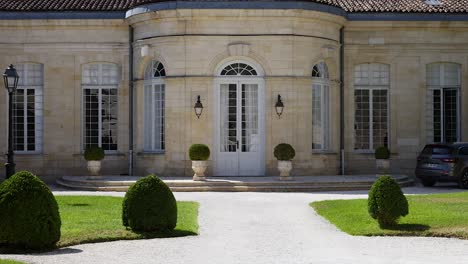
(263, 228)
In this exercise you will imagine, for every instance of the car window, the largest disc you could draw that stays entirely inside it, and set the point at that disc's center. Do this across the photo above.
(463, 151)
(441, 151)
(436, 150)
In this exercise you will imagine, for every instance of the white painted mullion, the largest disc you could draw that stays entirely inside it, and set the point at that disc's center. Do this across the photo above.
(25, 119)
(442, 114)
(99, 116)
(239, 123)
(371, 120)
(323, 116)
(153, 115)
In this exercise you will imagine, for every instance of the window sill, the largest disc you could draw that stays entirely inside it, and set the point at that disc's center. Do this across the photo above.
(151, 153)
(28, 153)
(113, 154)
(324, 152)
(371, 152)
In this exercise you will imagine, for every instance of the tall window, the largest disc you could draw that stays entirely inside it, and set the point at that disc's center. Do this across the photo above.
(99, 83)
(320, 108)
(154, 107)
(443, 95)
(27, 108)
(371, 84)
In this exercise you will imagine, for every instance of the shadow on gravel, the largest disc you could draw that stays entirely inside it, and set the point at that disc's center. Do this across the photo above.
(49, 251)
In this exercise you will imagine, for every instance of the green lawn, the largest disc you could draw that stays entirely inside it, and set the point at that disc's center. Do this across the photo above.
(438, 215)
(98, 218)
(9, 261)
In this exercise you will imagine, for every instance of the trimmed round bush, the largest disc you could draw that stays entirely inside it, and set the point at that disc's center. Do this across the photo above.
(284, 151)
(386, 202)
(29, 215)
(382, 153)
(94, 153)
(199, 152)
(149, 205)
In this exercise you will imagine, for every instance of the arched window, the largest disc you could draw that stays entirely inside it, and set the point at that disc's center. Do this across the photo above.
(155, 70)
(28, 108)
(99, 82)
(443, 100)
(154, 107)
(320, 70)
(320, 107)
(371, 84)
(238, 69)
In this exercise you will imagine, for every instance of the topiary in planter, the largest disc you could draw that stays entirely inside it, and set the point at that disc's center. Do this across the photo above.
(382, 153)
(284, 151)
(94, 153)
(386, 202)
(149, 205)
(29, 216)
(199, 152)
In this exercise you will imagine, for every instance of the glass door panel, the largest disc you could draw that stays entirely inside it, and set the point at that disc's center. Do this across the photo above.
(228, 118)
(249, 127)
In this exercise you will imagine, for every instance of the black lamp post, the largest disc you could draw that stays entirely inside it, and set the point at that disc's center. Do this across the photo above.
(198, 108)
(10, 77)
(279, 106)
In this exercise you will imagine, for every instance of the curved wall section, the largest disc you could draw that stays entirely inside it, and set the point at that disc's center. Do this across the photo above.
(194, 43)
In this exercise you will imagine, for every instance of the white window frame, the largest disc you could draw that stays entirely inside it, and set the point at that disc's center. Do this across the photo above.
(99, 86)
(322, 82)
(153, 138)
(25, 84)
(442, 86)
(371, 86)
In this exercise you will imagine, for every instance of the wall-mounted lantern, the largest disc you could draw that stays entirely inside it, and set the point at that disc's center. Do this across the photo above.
(279, 106)
(198, 107)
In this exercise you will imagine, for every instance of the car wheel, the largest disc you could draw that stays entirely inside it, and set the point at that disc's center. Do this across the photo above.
(428, 183)
(463, 182)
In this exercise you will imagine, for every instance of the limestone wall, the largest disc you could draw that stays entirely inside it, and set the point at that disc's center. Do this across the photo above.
(407, 47)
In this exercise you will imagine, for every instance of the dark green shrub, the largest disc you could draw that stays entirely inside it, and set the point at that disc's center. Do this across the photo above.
(284, 151)
(29, 216)
(386, 202)
(94, 153)
(382, 153)
(199, 152)
(149, 205)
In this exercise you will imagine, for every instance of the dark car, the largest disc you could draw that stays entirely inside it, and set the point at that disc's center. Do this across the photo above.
(443, 163)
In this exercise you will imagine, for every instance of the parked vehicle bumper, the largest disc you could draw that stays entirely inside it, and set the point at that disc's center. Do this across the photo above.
(435, 175)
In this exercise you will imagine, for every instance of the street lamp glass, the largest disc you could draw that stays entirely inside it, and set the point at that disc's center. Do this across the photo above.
(198, 107)
(10, 77)
(279, 106)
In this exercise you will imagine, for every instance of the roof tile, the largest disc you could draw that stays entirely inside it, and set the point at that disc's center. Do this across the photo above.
(399, 6)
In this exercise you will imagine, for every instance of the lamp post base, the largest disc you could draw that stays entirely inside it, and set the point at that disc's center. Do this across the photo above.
(10, 169)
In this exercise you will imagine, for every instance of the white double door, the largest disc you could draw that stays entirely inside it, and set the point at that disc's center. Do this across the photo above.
(239, 128)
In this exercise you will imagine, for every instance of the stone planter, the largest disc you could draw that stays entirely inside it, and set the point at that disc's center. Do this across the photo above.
(383, 166)
(199, 167)
(94, 167)
(285, 167)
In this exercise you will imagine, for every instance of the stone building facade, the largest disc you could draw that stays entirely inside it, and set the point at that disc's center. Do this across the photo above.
(126, 77)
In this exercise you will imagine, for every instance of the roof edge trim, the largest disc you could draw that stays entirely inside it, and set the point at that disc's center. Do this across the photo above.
(235, 5)
(7, 15)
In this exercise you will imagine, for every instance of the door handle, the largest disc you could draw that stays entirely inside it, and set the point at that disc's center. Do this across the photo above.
(237, 144)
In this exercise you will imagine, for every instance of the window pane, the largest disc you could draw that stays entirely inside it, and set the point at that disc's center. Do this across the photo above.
(450, 115)
(91, 117)
(317, 122)
(362, 119)
(27, 108)
(154, 117)
(437, 117)
(379, 118)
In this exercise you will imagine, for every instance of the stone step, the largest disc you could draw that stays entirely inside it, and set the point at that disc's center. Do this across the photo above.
(240, 186)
